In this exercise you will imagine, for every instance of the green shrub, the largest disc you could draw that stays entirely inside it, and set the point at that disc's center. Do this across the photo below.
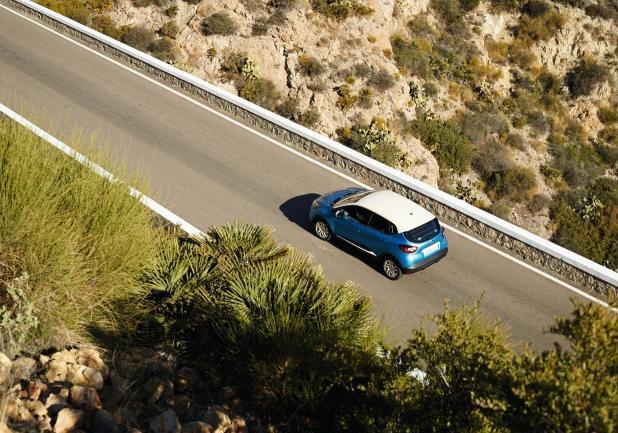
(374, 140)
(362, 70)
(289, 108)
(539, 202)
(172, 11)
(578, 162)
(535, 8)
(506, 5)
(477, 126)
(609, 154)
(169, 29)
(583, 78)
(446, 142)
(381, 80)
(516, 141)
(139, 37)
(309, 117)
(408, 55)
(491, 158)
(219, 23)
(341, 9)
(260, 27)
(589, 231)
(107, 26)
(365, 97)
(192, 2)
(260, 91)
(538, 122)
(163, 49)
(450, 11)
(74, 9)
(516, 184)
(310, 66)
(540, 28)
(283, 5)
(66, 231)
(501, 209)
(608, 114)
(346, 98)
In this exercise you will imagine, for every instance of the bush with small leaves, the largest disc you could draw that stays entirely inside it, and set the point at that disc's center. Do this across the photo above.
(172, 11)
(578, 162)
(232, 65)
(446, 142)
(517, 184)
(362, 70)
(219, 23)
(260, 27)
(309, 117)
(163, 49)
(408, 54)
(505, 5)
(283, 5)
(608, 114)
(498, 51)
(192, 2)
(310, 66)
(516, 141)
(538, 122)
(540, 28)
(139, 37)
(609, 154)
(106, 25)
(374, 140)
(501, 209)
(492, 157)
(365, 98)
(381, 80)
(481, 125)
(169, 29)
(289, 108)
(260, 91)
(521, 54)
(582, 79)
(346, 98)
(536, 8)
(539, 203)
(341, 9)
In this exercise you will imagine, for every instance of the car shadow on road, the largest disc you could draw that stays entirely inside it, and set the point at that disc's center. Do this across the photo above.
(297, 209)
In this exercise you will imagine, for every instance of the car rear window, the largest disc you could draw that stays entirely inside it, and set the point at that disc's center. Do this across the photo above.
(423, 233)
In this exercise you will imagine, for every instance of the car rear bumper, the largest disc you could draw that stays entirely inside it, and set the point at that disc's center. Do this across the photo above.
(427, 262)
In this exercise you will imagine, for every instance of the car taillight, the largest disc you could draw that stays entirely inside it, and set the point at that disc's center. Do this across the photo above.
(408, 248)
(443, 232)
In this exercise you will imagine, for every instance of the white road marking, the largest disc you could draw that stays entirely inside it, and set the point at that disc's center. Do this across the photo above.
(295, 152)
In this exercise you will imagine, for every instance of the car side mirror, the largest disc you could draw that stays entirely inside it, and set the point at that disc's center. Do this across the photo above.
(338, 213)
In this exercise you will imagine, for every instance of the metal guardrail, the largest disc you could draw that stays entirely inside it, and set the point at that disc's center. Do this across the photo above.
(604, 281)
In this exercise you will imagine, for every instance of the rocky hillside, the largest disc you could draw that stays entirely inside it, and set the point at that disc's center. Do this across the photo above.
(74, 390)
(512, 105)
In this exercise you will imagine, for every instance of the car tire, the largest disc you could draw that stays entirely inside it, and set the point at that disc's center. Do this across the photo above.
(321, 229)
(390, 268)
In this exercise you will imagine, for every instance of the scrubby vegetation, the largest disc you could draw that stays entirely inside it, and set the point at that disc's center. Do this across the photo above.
(72, 244)
(478, 99)
(248, 312)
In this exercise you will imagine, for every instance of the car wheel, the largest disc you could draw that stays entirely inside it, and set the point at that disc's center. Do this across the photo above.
(391, 268)
(321, 229)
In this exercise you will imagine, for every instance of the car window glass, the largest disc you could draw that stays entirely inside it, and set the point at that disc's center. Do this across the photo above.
(381, 224)
(359, 214)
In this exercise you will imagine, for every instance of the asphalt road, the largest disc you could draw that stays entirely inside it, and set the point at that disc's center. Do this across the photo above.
(210, 171)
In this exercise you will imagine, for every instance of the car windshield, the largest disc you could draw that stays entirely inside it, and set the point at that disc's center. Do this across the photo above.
(424, 232)
(352, 198)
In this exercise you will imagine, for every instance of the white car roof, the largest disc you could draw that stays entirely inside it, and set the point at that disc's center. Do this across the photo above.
(403, 212)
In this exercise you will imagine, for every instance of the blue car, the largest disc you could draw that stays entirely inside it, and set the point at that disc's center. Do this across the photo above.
(402, 235)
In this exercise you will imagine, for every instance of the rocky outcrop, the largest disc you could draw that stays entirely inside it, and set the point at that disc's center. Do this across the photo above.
(75, 391)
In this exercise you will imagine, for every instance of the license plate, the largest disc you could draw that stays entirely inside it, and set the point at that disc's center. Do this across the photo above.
(430, 249)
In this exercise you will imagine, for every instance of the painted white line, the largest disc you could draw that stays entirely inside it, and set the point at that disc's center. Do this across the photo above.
(147, 201)
(295, 152)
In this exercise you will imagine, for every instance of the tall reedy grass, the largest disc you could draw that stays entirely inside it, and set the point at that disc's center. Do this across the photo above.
(80, 240)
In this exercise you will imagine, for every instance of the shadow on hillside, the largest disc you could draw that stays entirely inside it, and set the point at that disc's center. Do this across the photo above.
(297, 208)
